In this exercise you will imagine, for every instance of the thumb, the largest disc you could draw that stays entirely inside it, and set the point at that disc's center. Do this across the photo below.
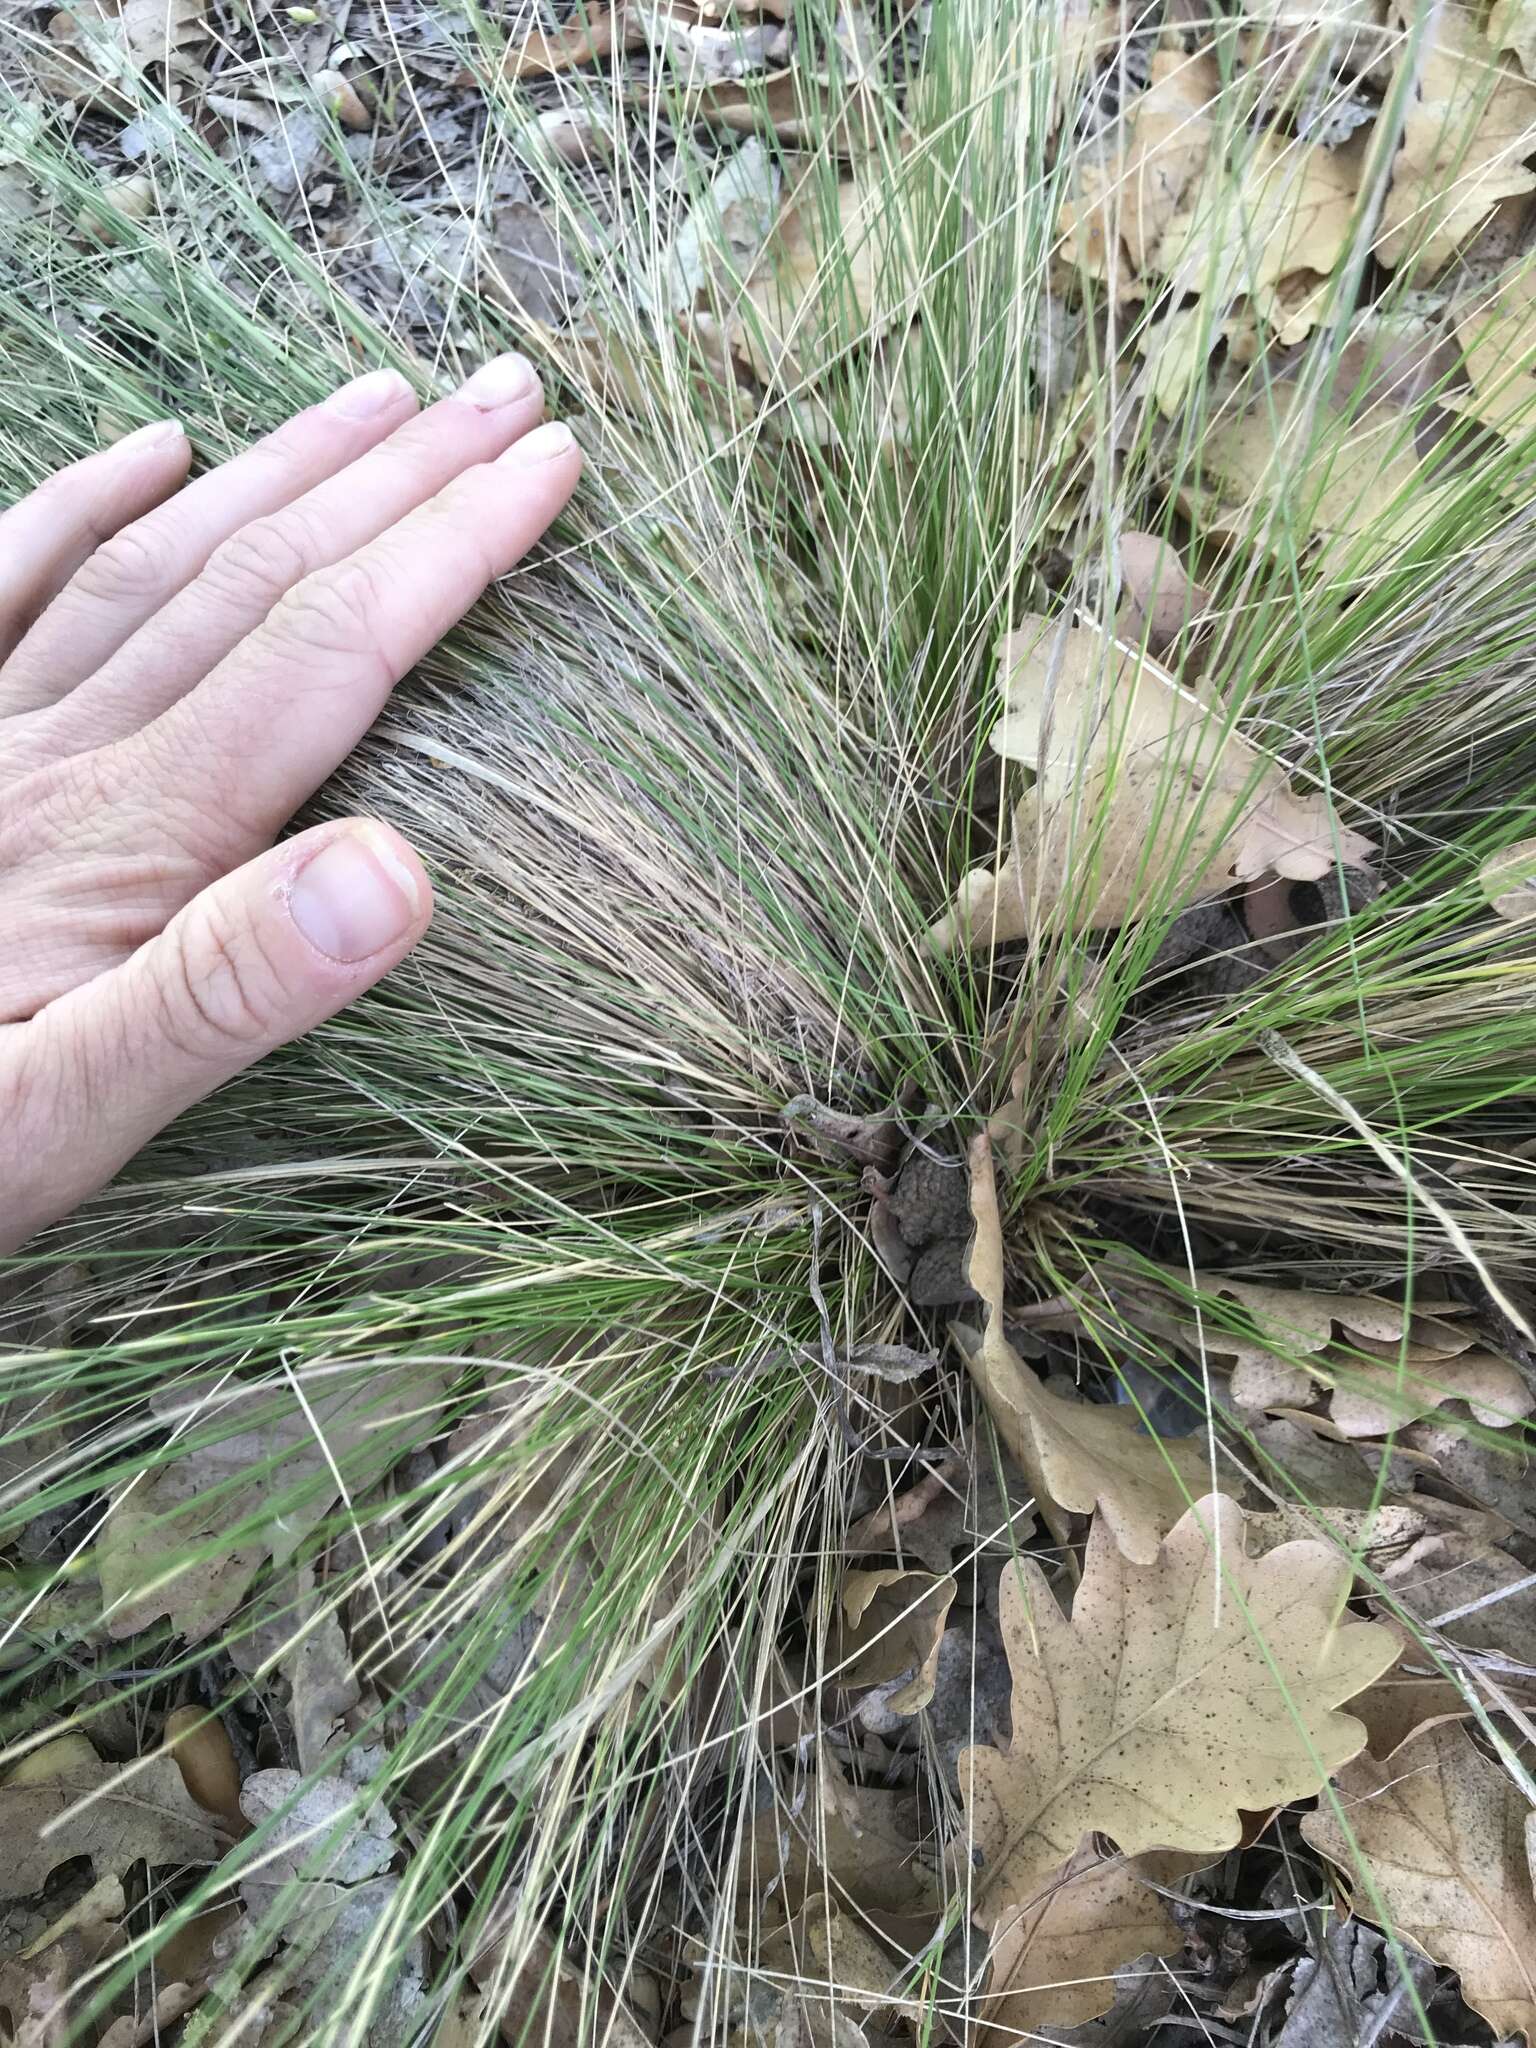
(255, 960)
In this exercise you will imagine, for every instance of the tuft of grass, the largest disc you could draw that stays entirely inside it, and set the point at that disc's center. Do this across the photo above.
(692, 785)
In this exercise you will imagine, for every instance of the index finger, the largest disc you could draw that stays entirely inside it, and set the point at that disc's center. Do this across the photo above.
(262, 731)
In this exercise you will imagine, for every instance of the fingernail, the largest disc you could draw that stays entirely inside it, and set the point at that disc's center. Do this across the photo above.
(158, 434)
(366, 397)
(499, 382)
(542, 445)
(355, 897)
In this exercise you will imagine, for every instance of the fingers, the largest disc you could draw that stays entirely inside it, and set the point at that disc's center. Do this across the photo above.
(143, 565)
(247, 574)
(274, 719)
(257, 959)
(45, 538)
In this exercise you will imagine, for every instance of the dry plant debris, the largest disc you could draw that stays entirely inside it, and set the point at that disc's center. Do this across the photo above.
(1436, 1841)
(1139, 784)
(1180, 1693)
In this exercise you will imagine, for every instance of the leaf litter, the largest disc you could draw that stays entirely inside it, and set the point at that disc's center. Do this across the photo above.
(1107, 1783)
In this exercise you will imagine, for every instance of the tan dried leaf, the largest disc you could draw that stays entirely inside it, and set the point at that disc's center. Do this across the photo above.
(859, 1841)
(1170, 139)
(1272, 472)
(1469, 126)
(141, 1813)
(595, 33)
(1508, 880)
(1399, 1705)
(203, 1751)
(960, 1505)
(1077, 1455)
(1512, 27)
(1369, 1399)
(826, 275)
(1142, 789)
(256, 1472)
(1440, 1833)
(1477, 1595)
(1159, 599)
(1269, 230)
(1054, 1961)
(1382, 1364)
(891, 1622)
(1182, 1692)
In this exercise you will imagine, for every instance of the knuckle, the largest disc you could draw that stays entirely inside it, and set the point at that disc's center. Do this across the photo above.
(333, 611)
(135, 564)
(262, 560)
(221, 992)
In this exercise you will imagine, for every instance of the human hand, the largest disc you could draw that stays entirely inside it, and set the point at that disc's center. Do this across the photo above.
(177, 674)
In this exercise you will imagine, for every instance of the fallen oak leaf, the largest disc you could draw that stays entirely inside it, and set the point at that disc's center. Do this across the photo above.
(1512, 27)
(1458, 1584)
(1159, 599)
(1440, 1848)
(141, 1813)
(1171, 130)
(830, 271)
(1508, 880)
(1183, 1692)
(938, 1516)
(1269, 228)
(1142, 788)
(1470, 124)
(1053, 1962)
(1075, 1455)
(859, 1841)
(203, 1752)
(890, 1622)
(255, 1469)
(595, 33)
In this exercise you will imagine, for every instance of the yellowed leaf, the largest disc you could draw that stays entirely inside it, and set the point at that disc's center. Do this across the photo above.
(891, 1622)
(1508, 880)
(1470, 123)
(829, 272)
(1054, 1959)
(1077, 1455)
(116, 1818)
(1252, 230)
(1183, 1691)
(1143, 791)
(1512, 27)
(1159, 599)
(1440, 1834)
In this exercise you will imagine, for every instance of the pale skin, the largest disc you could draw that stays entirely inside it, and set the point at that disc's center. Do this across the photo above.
(181, 665)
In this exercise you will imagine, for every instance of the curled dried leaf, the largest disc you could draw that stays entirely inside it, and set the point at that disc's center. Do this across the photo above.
(891, 1622)
(1437, 1837)
(1076, 1455)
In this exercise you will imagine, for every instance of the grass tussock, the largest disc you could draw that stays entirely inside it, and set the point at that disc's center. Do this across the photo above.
(693, 785)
